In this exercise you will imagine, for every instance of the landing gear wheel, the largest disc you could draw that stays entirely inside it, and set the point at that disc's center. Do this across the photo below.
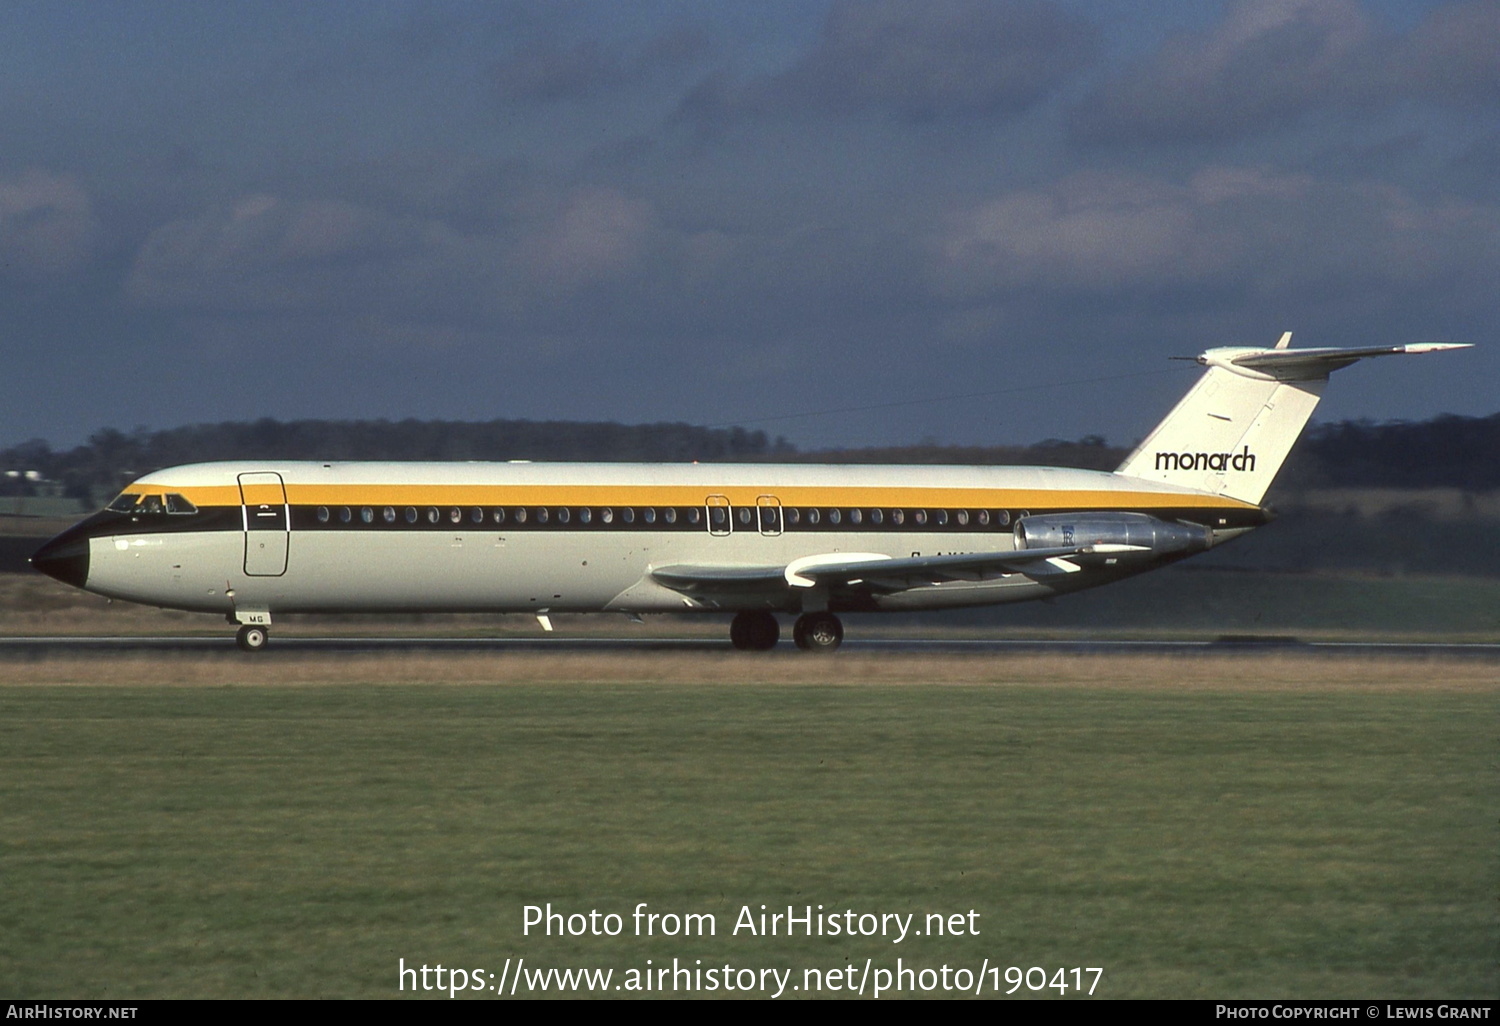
(251, 639)
(754, 631)
(818, 632)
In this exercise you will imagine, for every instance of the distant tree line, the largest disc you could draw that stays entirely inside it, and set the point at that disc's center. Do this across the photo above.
(1446, 452)
(1449, 451)
(1088, 453)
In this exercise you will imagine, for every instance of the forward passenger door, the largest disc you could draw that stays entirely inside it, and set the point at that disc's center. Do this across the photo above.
(267, 524)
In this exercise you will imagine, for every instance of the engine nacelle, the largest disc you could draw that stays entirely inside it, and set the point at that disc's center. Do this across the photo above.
(1137, 533)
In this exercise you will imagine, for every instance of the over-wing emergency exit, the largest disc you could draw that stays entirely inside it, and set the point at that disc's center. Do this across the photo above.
(253, 541)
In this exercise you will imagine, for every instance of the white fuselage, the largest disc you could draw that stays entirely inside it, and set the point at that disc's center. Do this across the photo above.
(506, 537)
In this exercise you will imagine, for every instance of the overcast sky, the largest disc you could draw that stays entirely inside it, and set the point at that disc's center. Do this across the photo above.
(737, 212)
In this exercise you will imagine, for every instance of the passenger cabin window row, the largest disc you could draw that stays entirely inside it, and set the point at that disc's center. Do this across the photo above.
(718, 519)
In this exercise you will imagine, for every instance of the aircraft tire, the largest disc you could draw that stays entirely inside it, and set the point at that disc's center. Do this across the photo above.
(818, 632)
(251, 638)
(754, 631)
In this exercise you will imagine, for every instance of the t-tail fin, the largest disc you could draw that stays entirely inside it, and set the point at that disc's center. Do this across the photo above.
(1230, 434)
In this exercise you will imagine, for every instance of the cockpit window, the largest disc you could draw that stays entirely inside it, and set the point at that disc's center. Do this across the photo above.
(124, 503)
(179, 504)
(149, 504)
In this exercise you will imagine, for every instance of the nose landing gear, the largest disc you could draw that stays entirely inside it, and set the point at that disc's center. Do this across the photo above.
(251, 638)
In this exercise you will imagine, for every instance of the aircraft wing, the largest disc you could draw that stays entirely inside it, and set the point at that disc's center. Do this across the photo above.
(869, 571)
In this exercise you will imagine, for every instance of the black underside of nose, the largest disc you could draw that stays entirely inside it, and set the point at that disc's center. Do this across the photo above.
(65, 558)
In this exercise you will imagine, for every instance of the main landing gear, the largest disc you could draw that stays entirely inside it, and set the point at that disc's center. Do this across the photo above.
(818, 632)
(251, 638)
(755, 631)
(758, 631)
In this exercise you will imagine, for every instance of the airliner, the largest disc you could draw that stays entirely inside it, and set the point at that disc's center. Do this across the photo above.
(257, 540)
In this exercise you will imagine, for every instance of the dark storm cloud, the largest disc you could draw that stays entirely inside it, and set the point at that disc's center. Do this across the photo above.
(1454, 55)
(1268, 64)
(495, 211)
(1242, 234)
(47, 226)
(592, 262)
(264, 253)
(924, 61)
(551, 71)
(1477, 169)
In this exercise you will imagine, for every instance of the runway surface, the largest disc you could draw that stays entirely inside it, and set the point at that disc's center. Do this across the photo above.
(50, 647)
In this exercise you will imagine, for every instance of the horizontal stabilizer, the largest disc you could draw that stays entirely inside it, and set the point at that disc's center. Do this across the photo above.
(1231, 433)
(1304, 364)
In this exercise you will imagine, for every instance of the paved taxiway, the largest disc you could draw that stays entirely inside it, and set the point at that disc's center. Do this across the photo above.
(48, 647)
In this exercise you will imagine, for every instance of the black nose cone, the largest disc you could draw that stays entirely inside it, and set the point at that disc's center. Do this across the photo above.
(65, 558)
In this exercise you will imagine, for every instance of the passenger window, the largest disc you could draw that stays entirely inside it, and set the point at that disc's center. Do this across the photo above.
(563, 516)
(627, 515)
(411, 514)
(124, 503)
(322, 514)
(520, 514)
(432, 514)
(793, 517)
(585, 515)
(919, 516)
(962, 516)
(695, 516)
(367, 514)
(898, 517)
(813, 516)
(477, 515)
(499, 514)
(607, 515)
(716, 515)
(541, 514)
(940, 518)
(876, 516)
(649, 515)
(179, 504)
(388, 514)
(856, 516)
(744, 514)
(834, 516)
(455, 515)
(669, 514)
(345, 514)
(982, 518)
(1002, 517)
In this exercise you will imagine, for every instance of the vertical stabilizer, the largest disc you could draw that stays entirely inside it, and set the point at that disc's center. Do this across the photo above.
(1231, 433)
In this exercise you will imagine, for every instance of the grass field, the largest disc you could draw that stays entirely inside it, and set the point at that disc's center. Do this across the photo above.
(1201, 827)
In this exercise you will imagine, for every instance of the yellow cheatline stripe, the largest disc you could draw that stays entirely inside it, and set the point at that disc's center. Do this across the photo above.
(258, 494)
(642, 495)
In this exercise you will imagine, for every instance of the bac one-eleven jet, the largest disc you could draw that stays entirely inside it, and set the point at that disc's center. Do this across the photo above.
(255, 540)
